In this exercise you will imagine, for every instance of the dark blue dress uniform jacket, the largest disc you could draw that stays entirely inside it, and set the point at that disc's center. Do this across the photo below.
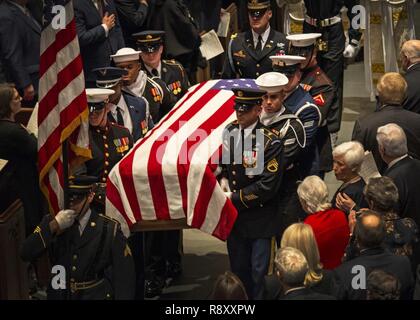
(254, 196)
(101, 253)
(243, 61)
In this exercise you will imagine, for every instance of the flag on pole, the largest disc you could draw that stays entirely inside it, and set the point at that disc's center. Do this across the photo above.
(63, 112)
(169, 174)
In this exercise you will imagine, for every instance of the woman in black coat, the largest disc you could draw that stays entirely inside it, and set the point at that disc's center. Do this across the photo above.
(19, 147)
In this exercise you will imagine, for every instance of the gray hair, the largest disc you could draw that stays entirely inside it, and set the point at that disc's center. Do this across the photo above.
(392, 139)
(292, 266)
(352, 153)
(313, 193)
(381, 193)
(411, 49)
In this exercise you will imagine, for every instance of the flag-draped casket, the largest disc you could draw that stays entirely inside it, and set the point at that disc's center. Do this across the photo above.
(169, 174)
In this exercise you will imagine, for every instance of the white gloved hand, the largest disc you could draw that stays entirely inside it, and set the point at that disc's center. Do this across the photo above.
(65, 218)
(228, 194)
(351, 51)
(224, 184)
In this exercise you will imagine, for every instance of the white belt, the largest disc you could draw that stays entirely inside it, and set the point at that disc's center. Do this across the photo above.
(322, 23)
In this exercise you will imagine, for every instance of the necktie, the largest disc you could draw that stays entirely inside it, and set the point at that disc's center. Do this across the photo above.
(259, 44)
(100, 7)
(120, 119)
(155, 72)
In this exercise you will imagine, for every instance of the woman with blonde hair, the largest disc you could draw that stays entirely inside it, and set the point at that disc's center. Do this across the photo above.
(329, 225)
(301, 237)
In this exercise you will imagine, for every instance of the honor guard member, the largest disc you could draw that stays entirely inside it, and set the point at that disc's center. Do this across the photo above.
(165, 246)
(109, 142)
(248, 52)
(88, 252)
(320, 87)
(300, 103)
(253, 166)
(150, 43)
(136, 83)
(291, 132)
(324, 17)
(126, 110)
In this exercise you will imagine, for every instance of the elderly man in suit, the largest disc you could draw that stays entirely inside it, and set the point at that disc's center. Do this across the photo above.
(392, 90)
(370, 234)
(292, 268)
(99, 33)
(405, 171)
(410, 58)
(20, 36)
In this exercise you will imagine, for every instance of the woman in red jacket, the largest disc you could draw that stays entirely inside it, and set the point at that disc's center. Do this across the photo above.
(330, 226)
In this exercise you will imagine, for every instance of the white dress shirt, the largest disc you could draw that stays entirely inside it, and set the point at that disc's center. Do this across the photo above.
(396, 160)
(159, 69)
(83, 221)
(264, 37)
(128, 123)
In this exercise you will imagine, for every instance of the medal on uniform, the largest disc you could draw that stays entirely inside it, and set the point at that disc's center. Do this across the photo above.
(143, 125)
(121, 144)
(249, 159)
(240, 54)
(155, 94)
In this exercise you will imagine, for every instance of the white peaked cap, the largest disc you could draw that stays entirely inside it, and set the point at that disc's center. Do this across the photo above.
(95, 95)
(288, 60)
(272, 81)
(303, 39)
(126, 54)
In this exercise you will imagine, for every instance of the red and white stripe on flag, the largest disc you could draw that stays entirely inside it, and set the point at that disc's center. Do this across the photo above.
(169, 174)
(63, 111)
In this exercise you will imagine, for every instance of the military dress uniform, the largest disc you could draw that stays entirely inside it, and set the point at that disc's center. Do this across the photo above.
(175, 77)
(97, 261)
(320, 87)
(324, 17)
(245, 59)
(254, 190)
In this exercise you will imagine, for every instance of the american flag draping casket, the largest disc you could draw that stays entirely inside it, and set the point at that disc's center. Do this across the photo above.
(169, 174)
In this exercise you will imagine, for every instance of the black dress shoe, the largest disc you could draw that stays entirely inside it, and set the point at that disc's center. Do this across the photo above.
(154, 287)
(174, 270)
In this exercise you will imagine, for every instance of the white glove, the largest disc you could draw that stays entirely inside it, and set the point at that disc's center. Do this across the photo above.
(224, 184)
(228, 194)
(351, 51)
(65, 218)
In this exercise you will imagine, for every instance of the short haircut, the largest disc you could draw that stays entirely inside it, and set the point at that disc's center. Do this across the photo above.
(370, 229)
(381, 193)
(411, 49)
(228, 287)
(382, 285)
(392, 88)
(352, 152)
(301, 237)
(314, 193)
(391, 137)
(292, 266)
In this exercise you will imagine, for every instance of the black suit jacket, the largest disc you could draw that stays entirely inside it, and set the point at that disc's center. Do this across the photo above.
(20, 40)
(370, 259)
(244, 61)
(95, 46)
(306, 294)
(132, 16)
(365, 130)
(406, 175)
(412, 77)
(181, 31)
